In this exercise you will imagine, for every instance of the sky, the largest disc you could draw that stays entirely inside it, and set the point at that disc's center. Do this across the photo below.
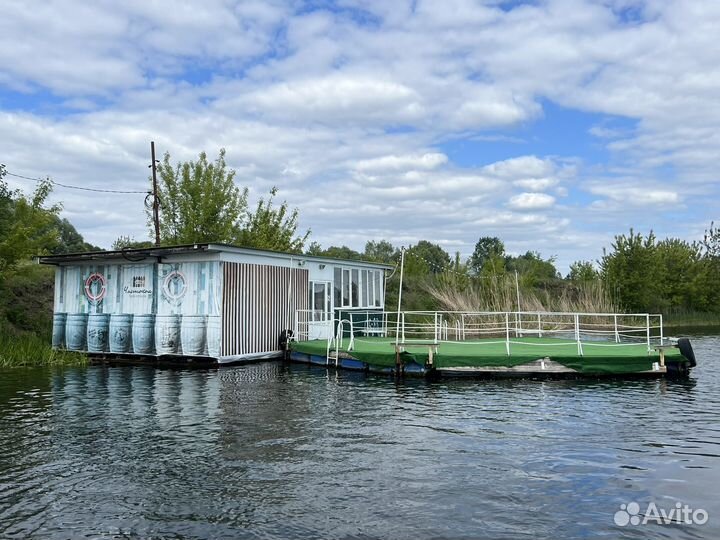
(554, 125)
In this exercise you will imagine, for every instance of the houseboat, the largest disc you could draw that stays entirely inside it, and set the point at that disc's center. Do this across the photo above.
(202, 303)
(210, 304)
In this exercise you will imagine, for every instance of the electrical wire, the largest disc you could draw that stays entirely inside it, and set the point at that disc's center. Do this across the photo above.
(53, 182)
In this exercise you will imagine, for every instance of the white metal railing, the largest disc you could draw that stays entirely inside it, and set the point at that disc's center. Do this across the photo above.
(433, 327)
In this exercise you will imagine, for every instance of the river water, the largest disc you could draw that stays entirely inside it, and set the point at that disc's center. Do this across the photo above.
(276, 451)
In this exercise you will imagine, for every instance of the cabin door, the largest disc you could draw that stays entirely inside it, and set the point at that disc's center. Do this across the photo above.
(320, 324)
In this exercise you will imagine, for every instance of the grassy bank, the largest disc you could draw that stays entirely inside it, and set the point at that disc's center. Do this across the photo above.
(692, 319)
(30, 350)
(26, 299)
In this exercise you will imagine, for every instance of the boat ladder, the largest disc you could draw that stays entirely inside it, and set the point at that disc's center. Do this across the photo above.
(333, 356)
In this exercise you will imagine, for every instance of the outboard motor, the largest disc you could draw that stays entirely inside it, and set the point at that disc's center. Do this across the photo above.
(687, 351)
(284, 342)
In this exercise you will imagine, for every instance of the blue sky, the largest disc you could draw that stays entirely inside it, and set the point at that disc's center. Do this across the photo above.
(553, 125)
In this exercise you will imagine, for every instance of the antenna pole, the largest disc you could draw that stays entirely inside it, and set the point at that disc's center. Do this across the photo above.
(156, 203)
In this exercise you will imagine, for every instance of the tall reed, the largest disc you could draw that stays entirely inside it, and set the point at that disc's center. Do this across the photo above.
(499, 293)
(30, 350)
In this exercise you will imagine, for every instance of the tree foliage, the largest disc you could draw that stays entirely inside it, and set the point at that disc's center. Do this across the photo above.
(533, 269)
(272, 228)
(27, 224)
(583, 272)
(128, 242)
(630, 271)
(341, 252)
(199, 201)
(486, 248)
(711, 242)
(429, 255)
(381, 251)
(670, 275)
(70, 240)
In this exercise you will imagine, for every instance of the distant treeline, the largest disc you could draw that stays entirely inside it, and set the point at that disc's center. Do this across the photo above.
(637, 274)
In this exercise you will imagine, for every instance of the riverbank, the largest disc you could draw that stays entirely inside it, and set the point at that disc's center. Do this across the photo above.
(686, 320)
(29, 350)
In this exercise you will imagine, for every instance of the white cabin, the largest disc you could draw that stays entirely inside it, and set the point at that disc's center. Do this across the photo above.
(217, 301)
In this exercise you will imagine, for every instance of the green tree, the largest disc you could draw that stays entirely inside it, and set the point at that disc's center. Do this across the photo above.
(486, 248)
(26, 229)
(199, 201)
(70, 240)
(708, 280)
(532, 268)
(435, 258)
(630, 272)
(341, 252)
(583, 272)
(26, 224)
(679, 264)
(381, 251)
(314, 249)
(128, 242)
(711, 241)
(272, 228)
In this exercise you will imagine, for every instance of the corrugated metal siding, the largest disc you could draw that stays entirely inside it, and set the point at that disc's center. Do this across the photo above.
(256, 308)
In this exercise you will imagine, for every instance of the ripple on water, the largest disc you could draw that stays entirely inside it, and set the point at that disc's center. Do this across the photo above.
(270, 451)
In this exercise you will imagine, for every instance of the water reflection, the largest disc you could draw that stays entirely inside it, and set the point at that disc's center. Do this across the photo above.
(276, 451)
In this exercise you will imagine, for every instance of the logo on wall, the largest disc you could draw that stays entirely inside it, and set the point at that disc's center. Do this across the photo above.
(95, 287)
(138, 286)
(174, 287)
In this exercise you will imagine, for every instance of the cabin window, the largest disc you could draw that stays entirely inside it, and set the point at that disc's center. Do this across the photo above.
(379, 300)
(357, 288)
(338, 286)
(364, 288)
(346, 288)
(320, 300)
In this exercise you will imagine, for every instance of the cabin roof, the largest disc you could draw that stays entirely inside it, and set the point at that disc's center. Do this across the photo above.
(164, 251)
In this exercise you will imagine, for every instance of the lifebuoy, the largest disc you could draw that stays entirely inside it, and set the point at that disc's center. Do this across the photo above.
(95, 296)
(174, 286)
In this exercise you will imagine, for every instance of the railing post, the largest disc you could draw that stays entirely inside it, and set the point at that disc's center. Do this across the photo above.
(539, 326)
(647, 329)
(341, 330)
(435, 339)
(617, 335)
(577, 334)
(403, 327)
(507, 333)
(662, 337)
(462, 326)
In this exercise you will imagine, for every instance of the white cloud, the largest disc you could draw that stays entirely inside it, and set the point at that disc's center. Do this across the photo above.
(636, 195)
(427, 161)
(536, 184)
(522, 166)
(338, 97)
(531, 201)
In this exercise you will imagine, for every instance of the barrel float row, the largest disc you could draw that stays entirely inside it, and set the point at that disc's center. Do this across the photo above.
(194, 335)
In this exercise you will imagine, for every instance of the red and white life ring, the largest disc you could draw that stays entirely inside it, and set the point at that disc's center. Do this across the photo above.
(92, 292)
